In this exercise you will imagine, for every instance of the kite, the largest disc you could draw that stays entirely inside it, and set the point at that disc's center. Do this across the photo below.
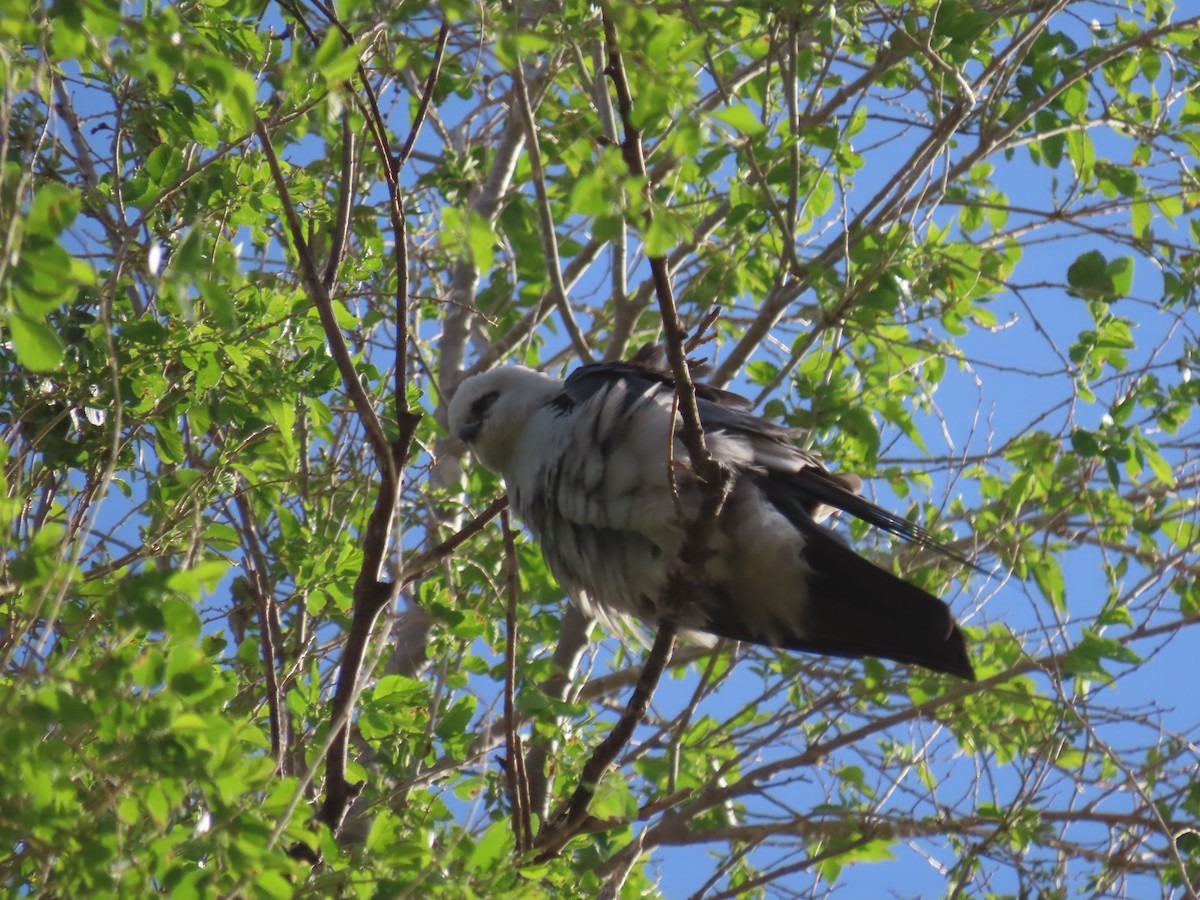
(596, 469)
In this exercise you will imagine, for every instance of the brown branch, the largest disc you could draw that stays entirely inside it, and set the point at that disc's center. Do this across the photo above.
(714, 483)
(426, 95)
(65, 106)
(518, 783)
(713, 479)
(392, 166)
(420, 565)
(573, 639)
(573, 815)
(702, 462)
(371, 596)
(324, 303)
(341, 228)
(406, 419)
(545, 216)
(256, 565)
(339, 793)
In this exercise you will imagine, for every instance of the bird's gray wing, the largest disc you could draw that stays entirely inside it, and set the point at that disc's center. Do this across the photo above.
(770, 447)
(613, 508)
(644, 371)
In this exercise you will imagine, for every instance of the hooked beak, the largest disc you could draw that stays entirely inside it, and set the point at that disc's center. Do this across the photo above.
(469, 430)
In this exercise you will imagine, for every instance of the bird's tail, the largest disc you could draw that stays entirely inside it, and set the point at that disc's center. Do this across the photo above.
(854, 608)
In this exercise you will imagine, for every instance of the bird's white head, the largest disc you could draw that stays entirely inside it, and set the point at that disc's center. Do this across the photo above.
(490, 411)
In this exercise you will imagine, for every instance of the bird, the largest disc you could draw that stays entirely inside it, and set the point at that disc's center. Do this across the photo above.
(596, 469)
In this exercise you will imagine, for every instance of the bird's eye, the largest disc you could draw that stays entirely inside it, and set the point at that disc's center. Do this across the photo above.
(481, 406)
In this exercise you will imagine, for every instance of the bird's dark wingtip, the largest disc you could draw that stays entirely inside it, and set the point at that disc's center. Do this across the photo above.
(965, 671)
(956, 661)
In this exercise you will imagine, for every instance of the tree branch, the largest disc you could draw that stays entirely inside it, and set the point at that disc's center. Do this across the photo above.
(324, 303)
(558, 289)
(518, 783)
(714, 485)
(571, 817)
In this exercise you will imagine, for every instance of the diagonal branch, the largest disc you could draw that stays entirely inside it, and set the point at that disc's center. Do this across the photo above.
(571, 818)
(420, 565)
(346, 184)
(435, 69)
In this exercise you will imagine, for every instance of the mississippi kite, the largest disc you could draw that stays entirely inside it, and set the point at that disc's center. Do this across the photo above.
(596, 469)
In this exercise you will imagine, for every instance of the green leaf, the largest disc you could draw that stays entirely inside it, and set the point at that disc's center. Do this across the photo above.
(397, 689)
(1047, 573)
(1141, 217)
(1120, 273)
(128, 810)
(1084, 443)
(275, 884)
(38, 347)
(54, 208)
(205, 575)
(239, 101)
(284, 416)
(168, 442)
(180, 619)
(1182, 532)
(1082, 153)
(452, 728)
(219, 300)
(1087, 657)
(742, 118)
(334, 61)
(1088, 275)
(188, 671)
(386, 832)
(495, 845)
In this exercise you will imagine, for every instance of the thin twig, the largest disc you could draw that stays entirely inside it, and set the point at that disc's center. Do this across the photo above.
(256, 566)
(435, 69)
(399, 227)
(420, 565)
(546, 216)
(341, 228)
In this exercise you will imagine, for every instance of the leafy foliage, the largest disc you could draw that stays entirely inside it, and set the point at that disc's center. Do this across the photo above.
(954, 243)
